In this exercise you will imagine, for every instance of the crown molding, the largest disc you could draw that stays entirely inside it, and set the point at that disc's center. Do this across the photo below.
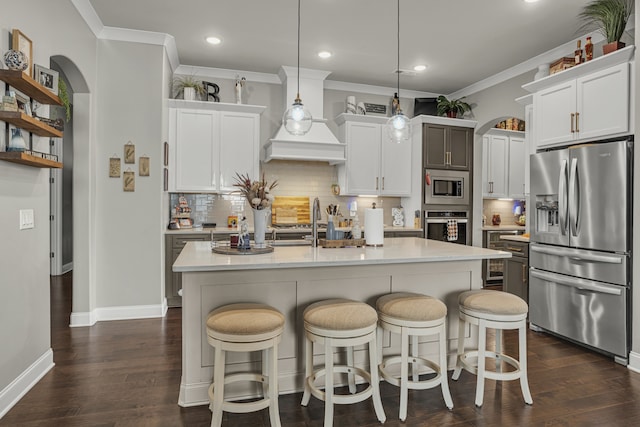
(88, 13)
(375, 90)
(222, 73)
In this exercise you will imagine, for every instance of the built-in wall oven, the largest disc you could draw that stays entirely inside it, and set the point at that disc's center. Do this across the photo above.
(445, 187)
(448, 226)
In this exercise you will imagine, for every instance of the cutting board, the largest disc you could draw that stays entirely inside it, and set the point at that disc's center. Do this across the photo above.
(285, 208)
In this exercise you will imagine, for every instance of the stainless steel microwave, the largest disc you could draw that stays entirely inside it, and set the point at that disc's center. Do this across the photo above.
(445, 187)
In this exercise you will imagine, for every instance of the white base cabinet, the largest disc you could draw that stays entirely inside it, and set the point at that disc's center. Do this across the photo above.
(374, 165)
(211, 142)
(588, 102)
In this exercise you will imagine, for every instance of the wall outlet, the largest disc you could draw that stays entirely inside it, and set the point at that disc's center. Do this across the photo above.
(26, 219)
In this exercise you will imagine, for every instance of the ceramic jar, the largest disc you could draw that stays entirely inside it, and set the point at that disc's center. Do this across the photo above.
(16, 60)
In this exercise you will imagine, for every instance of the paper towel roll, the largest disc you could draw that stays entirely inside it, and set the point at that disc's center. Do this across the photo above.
(374, 227)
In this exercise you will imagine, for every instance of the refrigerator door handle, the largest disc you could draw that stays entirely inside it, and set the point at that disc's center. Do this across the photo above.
(607, 259)
(562, 198)
(584, 284)
(574, 198)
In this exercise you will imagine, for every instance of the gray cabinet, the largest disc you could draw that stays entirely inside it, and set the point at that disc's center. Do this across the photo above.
(446, 147)
(516, 269)
(173, 281)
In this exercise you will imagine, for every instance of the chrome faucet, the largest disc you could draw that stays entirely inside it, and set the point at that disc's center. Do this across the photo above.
(314, 223)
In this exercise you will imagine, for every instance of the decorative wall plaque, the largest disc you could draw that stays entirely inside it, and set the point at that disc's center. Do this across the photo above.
(114, 167)
(143, 169)
(129, 181)
(375, 108)
(129, 152)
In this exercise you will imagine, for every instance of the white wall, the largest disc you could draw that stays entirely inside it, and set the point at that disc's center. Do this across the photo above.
(55, 29)
(634, 361)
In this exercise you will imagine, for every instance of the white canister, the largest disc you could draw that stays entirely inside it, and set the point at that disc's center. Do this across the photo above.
(351, 105)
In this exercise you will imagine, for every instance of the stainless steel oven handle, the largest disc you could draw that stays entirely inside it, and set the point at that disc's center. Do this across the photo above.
(444, 221)
(609, 259)
(576, 283)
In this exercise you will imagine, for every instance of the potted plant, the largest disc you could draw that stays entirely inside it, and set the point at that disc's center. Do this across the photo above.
(452, 108)
(64, 98)
(188, 87)
(610, 18)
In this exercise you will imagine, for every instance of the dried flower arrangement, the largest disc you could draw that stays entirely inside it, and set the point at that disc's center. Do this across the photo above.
(256, 192)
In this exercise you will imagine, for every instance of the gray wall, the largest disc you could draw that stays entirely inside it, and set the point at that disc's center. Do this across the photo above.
(54, 28)
(128, 226)
(490, 106)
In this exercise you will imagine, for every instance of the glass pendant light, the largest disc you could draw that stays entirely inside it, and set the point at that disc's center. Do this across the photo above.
(398, 126)
(297, 119)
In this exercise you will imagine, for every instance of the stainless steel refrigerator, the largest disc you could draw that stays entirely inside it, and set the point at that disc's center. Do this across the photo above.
(581, 234)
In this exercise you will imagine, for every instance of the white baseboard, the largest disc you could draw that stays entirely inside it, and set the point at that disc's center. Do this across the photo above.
(634, 362)
(118, 313)
(25, 381)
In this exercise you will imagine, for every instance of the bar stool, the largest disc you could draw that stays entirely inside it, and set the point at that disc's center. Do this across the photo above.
(245, 327)
(413, 315)
(341, 323)
(500, 311)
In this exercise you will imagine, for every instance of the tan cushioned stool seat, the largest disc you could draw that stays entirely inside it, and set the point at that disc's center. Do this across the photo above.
(411, 306)
(340, 314)
(493, 302)
(245, 319)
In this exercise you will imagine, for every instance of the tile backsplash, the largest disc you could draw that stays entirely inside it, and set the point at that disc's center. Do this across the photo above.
(312, 179)
(505, 208)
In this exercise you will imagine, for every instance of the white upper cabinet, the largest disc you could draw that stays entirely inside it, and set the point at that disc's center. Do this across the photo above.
(211, 142)
(504, 157)
(374, 165)
(495, 155)
(588, 102)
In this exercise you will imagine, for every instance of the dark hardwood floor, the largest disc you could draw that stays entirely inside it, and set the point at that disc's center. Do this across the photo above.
(127, 373)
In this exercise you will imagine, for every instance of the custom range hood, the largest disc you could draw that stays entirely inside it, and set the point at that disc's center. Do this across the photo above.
(319, 144)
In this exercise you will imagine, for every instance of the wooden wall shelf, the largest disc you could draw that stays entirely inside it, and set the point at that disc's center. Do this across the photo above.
(29, 87)
(27, 159)
(29, 124)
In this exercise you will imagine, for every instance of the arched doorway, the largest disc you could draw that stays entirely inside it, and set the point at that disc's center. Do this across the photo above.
(76, 232)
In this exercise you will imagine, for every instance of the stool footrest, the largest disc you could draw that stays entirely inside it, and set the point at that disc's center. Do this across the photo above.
(494, 375)
(414, 385)
(339, 398)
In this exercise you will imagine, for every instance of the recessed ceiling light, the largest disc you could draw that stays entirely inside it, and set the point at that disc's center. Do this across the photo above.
(214, 40)
(420, 67)
(530, 1)
(325, 54)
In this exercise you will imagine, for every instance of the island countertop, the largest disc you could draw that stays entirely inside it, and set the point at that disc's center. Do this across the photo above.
(197, 256)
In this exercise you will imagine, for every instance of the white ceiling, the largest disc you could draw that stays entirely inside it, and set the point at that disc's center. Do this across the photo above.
(461, 41)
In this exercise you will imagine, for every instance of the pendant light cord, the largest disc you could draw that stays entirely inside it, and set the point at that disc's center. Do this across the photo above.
(398, 38)
(298, 91)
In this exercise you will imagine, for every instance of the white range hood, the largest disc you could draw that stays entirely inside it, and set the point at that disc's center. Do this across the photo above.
(319, 144)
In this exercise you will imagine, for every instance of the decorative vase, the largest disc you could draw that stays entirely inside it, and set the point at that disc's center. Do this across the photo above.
(189, 93)
(543, 71)
(16, 60)
(260, 225)
(331, 229)
(17, 142)
(612, 47)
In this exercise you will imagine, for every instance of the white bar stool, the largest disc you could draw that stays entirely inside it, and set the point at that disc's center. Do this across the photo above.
(241, 328)
(413, 315)
(341, 323)
(497, 310)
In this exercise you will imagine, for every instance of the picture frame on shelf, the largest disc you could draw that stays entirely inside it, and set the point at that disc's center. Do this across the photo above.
(46, 77)
(23, 104)
(19, 41)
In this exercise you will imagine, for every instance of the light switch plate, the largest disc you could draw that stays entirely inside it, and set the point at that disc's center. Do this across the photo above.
(26, 219)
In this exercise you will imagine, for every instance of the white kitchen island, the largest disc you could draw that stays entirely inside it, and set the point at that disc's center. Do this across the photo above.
(290, 278)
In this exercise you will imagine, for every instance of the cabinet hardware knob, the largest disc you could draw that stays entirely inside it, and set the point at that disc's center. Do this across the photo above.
(524, 273)
(383, 182)
(577, 118)
(376, 182)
